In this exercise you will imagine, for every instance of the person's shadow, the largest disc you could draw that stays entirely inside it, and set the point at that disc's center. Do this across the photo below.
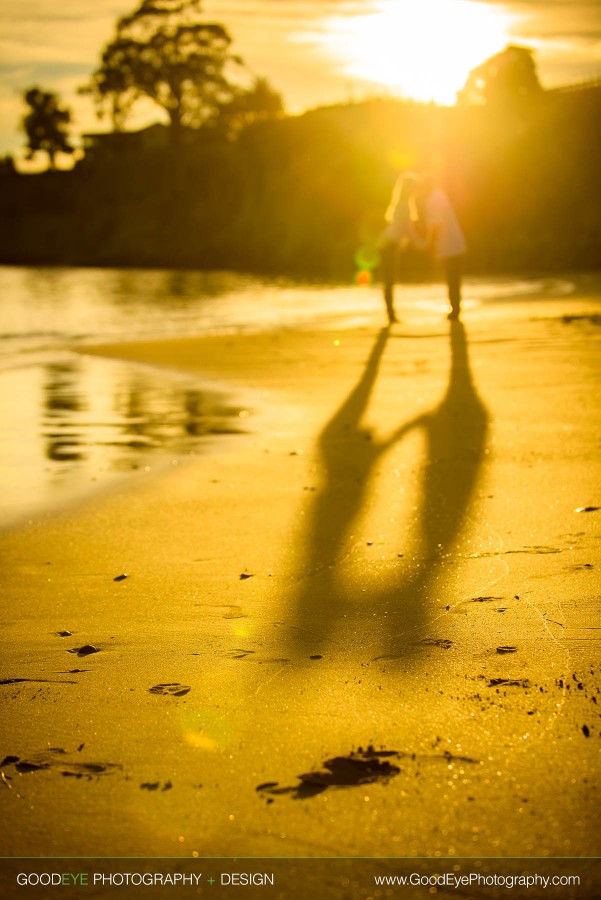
(455, 434)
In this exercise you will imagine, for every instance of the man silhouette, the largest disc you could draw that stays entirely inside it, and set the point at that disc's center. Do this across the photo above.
(444, 237)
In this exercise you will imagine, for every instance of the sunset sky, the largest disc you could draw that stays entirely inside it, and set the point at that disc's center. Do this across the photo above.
(315, 52)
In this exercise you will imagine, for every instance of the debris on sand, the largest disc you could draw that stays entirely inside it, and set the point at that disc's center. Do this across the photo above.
(360, 767)
(174, 689)
(86, 650)
(484, 599)
(508, 682)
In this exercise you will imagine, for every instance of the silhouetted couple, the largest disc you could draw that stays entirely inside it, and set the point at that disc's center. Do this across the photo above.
(420, 214)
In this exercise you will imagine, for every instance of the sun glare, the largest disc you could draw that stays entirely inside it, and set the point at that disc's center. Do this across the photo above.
(422, 49)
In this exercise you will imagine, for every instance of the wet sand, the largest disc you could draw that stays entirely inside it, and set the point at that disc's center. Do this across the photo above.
(370, 627)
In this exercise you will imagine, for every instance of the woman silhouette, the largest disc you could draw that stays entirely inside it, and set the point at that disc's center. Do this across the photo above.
(399, 231)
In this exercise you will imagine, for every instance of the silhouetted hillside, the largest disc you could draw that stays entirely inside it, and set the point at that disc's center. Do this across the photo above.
(302, 194)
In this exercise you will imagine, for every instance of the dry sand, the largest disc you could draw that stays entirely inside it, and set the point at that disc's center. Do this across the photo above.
(393, 558)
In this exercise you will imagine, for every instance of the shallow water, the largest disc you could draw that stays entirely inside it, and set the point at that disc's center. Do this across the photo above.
(75, 423)
(70, 423)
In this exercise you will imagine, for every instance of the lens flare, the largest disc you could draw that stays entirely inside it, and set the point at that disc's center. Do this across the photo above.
(367, 257)
(364, 277)
(206, 729)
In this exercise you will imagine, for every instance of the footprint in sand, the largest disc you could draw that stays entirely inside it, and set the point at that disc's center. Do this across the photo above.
(58, 760)
(40, 680)
(238, 653)
(155, 785)
(444, 643)
(223, 610)
(173, 690)
(437, 642)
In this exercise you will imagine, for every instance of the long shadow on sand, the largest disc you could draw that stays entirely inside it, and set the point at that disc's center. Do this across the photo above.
(455, 433)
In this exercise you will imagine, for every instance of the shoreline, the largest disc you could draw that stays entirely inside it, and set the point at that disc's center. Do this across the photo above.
(570, 289)
(343, 578)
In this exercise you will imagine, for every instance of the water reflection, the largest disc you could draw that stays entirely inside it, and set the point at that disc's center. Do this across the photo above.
(81, 420)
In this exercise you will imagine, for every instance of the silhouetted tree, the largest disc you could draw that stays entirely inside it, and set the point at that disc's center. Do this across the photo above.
(256, 104)
(7, 165)
(506, 79)
(46, 125)
(163, 51)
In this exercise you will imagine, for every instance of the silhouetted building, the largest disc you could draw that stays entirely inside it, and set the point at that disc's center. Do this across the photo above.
(105, 148)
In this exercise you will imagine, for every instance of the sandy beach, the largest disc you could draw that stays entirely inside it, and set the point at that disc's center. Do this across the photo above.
(369, 627)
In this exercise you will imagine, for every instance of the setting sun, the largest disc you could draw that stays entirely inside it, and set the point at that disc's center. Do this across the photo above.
(423, 51)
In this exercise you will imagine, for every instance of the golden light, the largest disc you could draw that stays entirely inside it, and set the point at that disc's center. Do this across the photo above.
(421, 49)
